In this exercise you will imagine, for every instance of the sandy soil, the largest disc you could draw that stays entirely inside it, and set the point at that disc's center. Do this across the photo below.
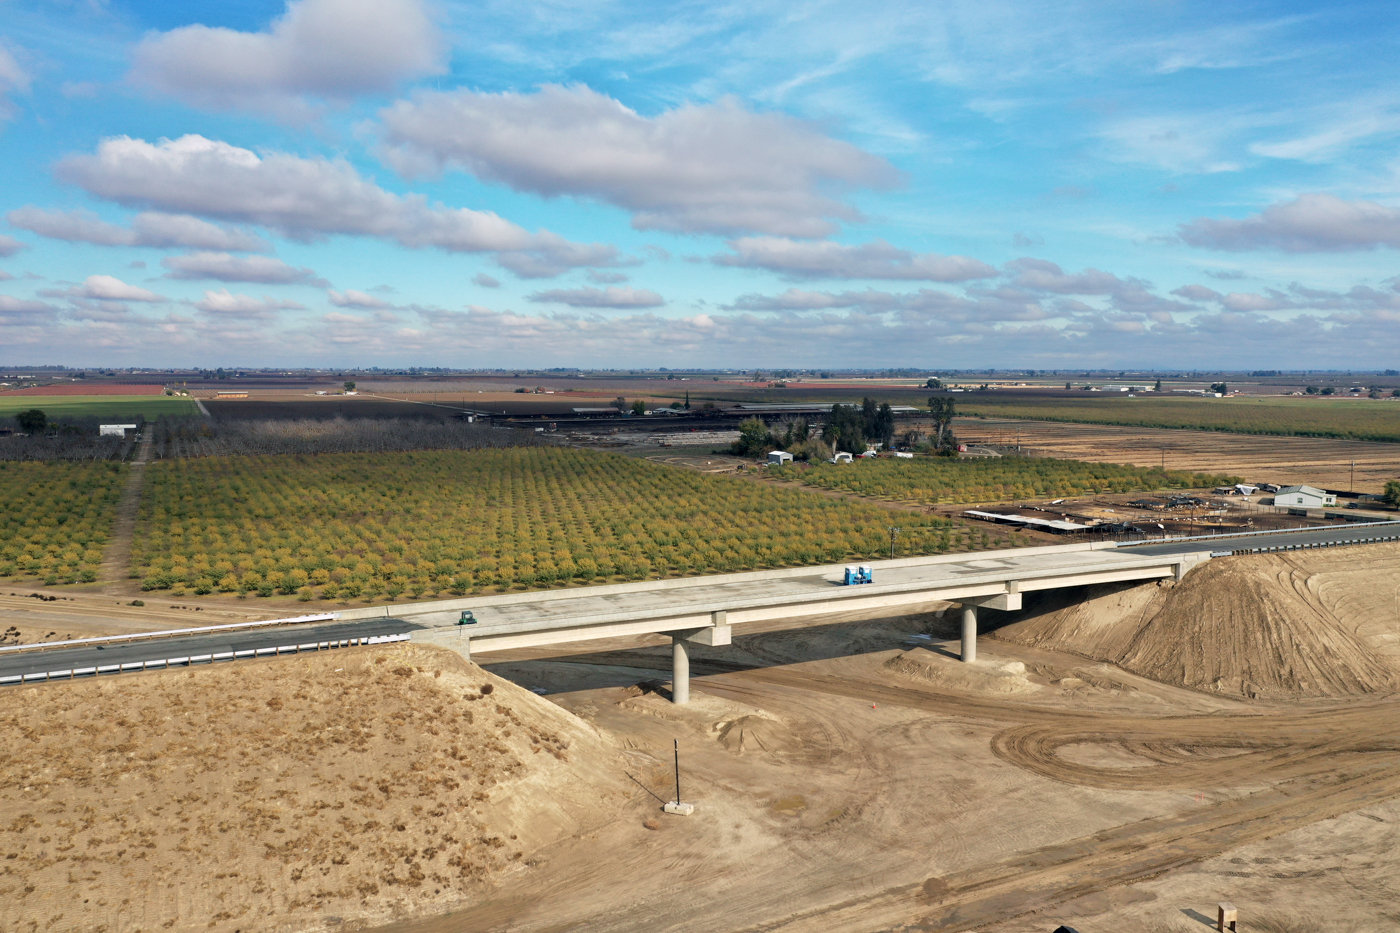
(264, 796)
(1303, 623)
(850, 774)
(1317, 461)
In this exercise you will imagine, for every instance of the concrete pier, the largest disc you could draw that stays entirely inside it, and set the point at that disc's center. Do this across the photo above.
(680, 669)
(969, 632)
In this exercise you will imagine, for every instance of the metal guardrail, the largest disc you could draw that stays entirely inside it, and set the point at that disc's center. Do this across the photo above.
(190, 660)
(171, 633)
(1306, 545)
(1169, 539)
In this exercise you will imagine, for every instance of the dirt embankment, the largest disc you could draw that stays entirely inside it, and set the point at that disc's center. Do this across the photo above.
(1303, 624)
(284, 795)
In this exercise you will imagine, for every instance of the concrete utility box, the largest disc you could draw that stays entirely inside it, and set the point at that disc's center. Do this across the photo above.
(1227, 918)
(779, 457)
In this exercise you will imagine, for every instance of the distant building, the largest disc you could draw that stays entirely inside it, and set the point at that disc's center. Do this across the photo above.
(231, 395)
(115, 430)
(779, 457)
(1307, 497)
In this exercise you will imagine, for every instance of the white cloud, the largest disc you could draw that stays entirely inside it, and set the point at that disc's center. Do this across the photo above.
(711, 168)
(1197, 293)
(826, 260)
(110, 288)
(13, 79)
(13, 308)
(151, 228)
(612, 297)
(926, 304)
(330, 49)
(485, 281)
(226, 268)
(9, 246)
(307, 199)
(246, 306)
(353, 299)
(1310, 223)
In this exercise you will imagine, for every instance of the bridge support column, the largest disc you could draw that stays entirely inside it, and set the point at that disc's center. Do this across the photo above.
(680, 670)
(969, 632)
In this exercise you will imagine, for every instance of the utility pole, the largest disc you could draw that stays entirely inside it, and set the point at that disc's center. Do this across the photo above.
(1352, 488)
(893, 532)
(1164, 459)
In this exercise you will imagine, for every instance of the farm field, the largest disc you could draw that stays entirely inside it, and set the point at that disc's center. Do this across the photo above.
(1356, 419)
(414, 524)
(1322, 462)
(941, 480)
(57, 518)
(149, 407)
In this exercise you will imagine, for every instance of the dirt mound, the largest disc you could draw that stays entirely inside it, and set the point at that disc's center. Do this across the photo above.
(363, 784)
(1278, 625)
(999, 677)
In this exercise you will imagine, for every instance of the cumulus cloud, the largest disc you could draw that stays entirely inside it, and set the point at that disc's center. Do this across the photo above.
(485, 281)
(979, 306)
(1128, 295)
(826, 260)
(151, 228)
(1197, 293)
(110, 288)
(1310, 223)
(353, 299)
(224, 267)
(13, 79)
(12, 308)
(329, 49)
(712, 168)
(9, 246)
(308, 199)
(613, 297)
(239, 305)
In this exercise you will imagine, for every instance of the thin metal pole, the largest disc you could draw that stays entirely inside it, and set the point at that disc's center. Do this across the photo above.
(677, 745)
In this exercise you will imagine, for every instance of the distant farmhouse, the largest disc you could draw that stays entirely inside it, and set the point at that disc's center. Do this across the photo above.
(1307, 497)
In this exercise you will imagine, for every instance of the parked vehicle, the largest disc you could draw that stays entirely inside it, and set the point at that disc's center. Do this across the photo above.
(467, 618)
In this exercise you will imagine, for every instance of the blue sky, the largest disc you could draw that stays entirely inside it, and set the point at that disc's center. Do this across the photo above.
(397, 182)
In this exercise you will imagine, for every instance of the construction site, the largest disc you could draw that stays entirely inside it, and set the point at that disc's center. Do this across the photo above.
(1124, 756)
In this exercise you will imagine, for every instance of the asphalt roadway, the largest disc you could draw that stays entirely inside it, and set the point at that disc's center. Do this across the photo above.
(229, 645)
(1331, 536)
(157, 650)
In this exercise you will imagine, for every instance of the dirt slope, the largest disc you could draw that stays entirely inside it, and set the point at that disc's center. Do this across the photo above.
(275, 795)
(1284, 625)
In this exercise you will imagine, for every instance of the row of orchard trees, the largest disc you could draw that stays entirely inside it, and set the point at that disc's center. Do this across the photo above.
(351, 525)
(994, 479)
(57, 519)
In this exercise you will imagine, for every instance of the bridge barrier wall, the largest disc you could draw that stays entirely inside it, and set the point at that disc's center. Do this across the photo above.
(651, 586)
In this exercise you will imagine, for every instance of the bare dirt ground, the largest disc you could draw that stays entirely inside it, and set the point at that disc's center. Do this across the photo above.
(1316, 461)
(849, 775)
(365, 784)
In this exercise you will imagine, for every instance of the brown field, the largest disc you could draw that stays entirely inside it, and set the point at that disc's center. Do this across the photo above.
(848, 777)
(1322, 462)
(84, 389)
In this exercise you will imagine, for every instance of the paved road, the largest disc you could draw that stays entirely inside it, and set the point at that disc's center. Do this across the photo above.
(20, 663)
(1311, 537)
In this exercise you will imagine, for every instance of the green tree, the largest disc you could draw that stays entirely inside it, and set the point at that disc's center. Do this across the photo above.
(944, 411)
(754, 438)
(639, 407)
(1158, 386)
(933, 384)
(32, 421)
(845, 429)
(1392, 492)
(349, 387)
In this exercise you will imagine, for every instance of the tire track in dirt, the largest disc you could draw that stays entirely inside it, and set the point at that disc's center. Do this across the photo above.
(1323, 764)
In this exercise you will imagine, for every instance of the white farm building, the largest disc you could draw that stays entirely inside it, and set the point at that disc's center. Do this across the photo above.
(1307, 497)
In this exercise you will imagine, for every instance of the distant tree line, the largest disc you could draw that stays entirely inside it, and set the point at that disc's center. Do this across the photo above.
(30, 435)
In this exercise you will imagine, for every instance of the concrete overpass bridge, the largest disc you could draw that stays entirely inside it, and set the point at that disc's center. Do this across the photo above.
(705, 610)
(701, 610)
